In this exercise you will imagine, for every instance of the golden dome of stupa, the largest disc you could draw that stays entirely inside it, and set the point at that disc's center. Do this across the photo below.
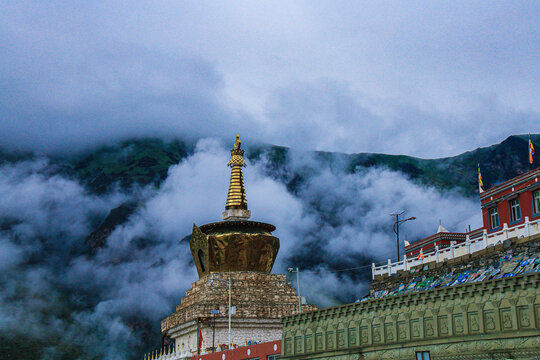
(236, 243)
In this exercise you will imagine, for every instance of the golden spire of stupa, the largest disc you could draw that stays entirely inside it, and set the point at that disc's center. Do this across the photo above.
(236, 205)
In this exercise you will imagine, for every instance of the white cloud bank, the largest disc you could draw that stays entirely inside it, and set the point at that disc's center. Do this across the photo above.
(332, 221)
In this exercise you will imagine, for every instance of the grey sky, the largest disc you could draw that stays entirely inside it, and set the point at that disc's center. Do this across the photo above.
(422, 78)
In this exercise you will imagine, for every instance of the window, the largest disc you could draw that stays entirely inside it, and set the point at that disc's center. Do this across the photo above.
(422, 355)
(536, 202)
(201, 260)
(272, 357)
(515, 212)
(493, 218)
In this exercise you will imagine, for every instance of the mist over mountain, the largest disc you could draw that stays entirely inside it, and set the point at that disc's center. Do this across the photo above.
(94, 245)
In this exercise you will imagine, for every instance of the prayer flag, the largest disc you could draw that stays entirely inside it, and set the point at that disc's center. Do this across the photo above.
(531, 150)
(480, 183)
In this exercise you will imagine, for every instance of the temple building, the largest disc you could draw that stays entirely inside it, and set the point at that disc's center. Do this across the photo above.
(511, 205)
(236, 301)
(470, 296)
(510, 209)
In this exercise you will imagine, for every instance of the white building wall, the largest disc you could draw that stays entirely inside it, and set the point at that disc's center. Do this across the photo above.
(242, 332)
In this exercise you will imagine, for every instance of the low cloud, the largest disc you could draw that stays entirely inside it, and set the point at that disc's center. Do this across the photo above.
(109, 304)
(331, 116)
(424, 81)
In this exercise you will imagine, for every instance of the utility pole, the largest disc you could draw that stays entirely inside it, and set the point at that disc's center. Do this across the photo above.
(214, 333)
(214, 313)
(397, 213)
(228, 282)
(297, 287)
(229, 311)
(198, 337)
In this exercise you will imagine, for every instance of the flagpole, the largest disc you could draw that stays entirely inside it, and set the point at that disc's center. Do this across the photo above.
(198, 337)
(529, 152)
(480, 182)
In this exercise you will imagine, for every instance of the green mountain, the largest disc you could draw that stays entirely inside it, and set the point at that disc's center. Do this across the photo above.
(146, 161)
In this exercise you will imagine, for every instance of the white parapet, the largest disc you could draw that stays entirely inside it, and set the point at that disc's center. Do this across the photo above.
(174, 355)
(470, 246)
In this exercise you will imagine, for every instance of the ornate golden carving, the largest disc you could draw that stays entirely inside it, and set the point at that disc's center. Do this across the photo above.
(246, 246)
(235, 244)
(236, 197)
(242, 252)
(199, 245)
(237, 143)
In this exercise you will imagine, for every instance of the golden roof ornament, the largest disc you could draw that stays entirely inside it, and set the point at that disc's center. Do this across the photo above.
(235, 244)
(236, 204)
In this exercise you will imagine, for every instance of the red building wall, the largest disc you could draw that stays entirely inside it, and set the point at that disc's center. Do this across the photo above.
(499, 195)
(260, 351)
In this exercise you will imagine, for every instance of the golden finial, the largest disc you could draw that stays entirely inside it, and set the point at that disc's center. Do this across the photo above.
(236, 205)
(237, 142)
(237, 154)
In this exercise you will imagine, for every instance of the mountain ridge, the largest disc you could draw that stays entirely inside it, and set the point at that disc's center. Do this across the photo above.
(146, 162)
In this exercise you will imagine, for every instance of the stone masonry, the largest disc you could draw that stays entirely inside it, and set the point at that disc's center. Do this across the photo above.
(261, 299)
(485, 320)
(496, 319)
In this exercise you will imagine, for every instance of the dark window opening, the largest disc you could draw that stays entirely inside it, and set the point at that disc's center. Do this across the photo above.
(536, 202)
(201, 260)
(493, 218)
(515, 211)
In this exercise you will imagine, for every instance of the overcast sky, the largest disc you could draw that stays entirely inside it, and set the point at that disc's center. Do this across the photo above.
(426, 78)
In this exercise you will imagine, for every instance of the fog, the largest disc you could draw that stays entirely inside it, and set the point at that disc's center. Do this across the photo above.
(110, 303)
